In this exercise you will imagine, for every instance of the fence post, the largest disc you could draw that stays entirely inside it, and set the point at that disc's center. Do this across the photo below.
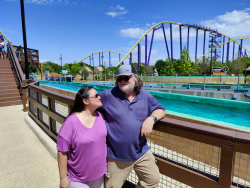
(176, 81)
(152, 80)
(189, 81)
(97, 77)
(204, 82)
(220, 81)
(83, 77)
(163, 81)
(71, 78)
(238, 82)
(77, 77)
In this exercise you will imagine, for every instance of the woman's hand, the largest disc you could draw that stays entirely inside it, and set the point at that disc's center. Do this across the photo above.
(64, 182)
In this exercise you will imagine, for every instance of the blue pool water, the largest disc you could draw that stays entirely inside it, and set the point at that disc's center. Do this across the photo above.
(225, 112)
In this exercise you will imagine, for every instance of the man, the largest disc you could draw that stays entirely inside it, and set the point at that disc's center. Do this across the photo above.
(130, 112)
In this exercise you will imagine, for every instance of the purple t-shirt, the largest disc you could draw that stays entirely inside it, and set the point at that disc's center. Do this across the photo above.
(86, 147)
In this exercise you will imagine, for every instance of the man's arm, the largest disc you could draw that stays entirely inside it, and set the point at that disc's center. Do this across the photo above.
(148, 124)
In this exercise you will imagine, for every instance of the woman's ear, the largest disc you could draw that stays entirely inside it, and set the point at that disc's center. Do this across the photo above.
(85, 101)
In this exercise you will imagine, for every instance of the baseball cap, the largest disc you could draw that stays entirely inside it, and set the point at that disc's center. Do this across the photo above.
(126, 70)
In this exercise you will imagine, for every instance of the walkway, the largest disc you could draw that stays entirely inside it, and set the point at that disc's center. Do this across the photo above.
(24, 161)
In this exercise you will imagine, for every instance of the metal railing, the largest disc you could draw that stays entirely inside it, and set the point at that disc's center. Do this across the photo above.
(187, 154)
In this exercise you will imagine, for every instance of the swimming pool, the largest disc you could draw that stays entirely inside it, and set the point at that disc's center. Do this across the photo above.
(235, 114)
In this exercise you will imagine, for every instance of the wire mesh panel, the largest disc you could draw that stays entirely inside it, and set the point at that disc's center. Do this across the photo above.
(166, 182)
(32, 94)
(61, 109)
(43, 117)
(43, 99)
(191, 154)
(55, 127)
(32, 109)
(241, 173)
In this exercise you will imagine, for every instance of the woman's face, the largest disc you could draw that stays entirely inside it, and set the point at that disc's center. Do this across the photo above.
(94, 98)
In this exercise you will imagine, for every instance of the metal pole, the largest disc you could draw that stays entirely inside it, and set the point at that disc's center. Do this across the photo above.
(139, 55)
(211, 56)
(180, 40)
(220, 81)
(102, 58)
(109, 59)
(61, 61)
(146, 39)
(189, 81)
(99, 59)
(71, 78)
(171, 41)
(188, 40)
(24, 40)
(163, 81)
(241, 41)
(196, 44)
(83, 77)
(130, 60)
(238, 82)
(223, 50)
(228, 45)
(105, 78)
(204, 82)
(204, 51)
(113, 76)
(152, 80)
(175, 80)
(151, 45)
(165, 40)
(141, 77)
(77, 77)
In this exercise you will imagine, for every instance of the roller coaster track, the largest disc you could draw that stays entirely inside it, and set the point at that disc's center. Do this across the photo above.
(105, 51)
(4, 36)
(175, 24)
(222, 45)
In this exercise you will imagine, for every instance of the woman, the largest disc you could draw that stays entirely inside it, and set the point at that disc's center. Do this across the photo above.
(81, 143)
(2, 44)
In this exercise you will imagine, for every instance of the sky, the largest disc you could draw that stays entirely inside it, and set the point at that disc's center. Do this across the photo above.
(78, 28)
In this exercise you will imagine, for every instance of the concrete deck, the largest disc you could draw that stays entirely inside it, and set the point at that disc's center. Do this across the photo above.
(24, 160)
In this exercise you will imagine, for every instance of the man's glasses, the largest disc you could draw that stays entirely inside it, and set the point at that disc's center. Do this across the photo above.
(125, 78)
(96, 96)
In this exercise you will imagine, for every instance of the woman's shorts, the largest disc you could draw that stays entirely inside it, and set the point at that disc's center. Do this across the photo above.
(98, 183)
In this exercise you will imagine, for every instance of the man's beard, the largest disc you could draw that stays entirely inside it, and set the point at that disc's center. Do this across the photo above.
(127, 88)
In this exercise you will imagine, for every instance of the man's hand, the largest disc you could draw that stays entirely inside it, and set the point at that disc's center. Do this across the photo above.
(147, 126)
(64, 182)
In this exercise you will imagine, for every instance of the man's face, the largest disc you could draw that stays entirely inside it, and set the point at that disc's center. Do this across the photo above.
(126, 84)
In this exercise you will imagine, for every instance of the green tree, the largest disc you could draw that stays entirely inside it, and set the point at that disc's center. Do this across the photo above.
(184, 65)
(75, 68)
(165, 67)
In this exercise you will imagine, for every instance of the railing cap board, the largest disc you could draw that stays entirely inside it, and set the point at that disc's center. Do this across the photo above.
(53, 95)
(242, 137)
(202, 129)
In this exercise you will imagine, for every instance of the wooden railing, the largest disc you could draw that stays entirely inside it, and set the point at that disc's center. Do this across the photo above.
(231, 147)
(33, 55)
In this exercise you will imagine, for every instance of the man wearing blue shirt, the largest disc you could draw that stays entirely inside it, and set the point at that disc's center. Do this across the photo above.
(130, 112)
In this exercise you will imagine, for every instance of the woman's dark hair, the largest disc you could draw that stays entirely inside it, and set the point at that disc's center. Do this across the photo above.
(83, 93)
(2, 39)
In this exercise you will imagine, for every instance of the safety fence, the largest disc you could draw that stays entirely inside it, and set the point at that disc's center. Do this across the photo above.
(187, 154)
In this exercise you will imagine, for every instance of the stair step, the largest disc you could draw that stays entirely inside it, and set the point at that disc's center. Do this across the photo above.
(2, 104)
(4, 95)
(9, 91)
(8, 80)
(7, 74)
(8, 87)
(2, 71)
(8, 99)
(5, 65)
(7, 83)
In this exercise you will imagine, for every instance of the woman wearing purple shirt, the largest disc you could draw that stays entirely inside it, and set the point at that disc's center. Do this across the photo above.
(81, 143)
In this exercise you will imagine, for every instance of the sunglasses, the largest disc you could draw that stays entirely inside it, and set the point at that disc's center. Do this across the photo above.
(96, 96)
(125, 78)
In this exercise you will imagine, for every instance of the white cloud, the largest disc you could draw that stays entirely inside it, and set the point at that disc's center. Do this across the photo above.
(118, 10)
(233, 24)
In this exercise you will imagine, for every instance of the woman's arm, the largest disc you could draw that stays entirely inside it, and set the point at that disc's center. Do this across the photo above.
(62, 165)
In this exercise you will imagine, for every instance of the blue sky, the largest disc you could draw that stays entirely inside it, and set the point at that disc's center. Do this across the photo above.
(77, 28)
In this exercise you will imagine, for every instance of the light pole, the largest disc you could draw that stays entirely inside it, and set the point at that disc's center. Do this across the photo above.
(61, 60)
(93, 67)
(24, 40)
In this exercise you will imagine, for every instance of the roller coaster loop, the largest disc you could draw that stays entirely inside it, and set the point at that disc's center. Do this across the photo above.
(233, 40)
(185, 25)
(104, 51)
(1, 33)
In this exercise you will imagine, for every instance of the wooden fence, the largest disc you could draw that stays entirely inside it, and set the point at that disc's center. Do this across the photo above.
(223, 151)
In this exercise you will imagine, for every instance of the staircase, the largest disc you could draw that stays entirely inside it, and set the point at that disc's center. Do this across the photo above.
(9, 93)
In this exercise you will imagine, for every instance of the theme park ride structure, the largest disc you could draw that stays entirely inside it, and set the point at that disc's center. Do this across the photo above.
(197, 27)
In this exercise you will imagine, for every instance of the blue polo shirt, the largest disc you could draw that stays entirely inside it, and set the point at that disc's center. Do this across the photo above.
(124, 122)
